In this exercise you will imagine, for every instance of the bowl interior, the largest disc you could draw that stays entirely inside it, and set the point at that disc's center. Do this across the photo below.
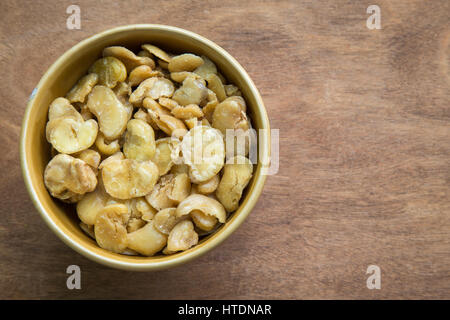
(64, 74)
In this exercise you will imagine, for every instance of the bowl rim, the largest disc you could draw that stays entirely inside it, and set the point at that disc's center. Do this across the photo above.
(210, 243)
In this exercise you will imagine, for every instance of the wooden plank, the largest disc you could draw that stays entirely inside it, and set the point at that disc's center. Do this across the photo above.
(364, 175)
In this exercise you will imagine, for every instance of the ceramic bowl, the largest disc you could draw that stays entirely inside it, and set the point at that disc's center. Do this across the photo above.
(64, 73)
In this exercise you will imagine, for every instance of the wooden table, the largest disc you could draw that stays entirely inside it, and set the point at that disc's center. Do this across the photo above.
(364, 177)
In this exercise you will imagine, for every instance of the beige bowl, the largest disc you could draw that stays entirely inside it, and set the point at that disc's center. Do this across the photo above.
(63, 74)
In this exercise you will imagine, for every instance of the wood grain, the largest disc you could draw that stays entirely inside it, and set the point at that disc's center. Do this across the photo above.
(364, 119)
